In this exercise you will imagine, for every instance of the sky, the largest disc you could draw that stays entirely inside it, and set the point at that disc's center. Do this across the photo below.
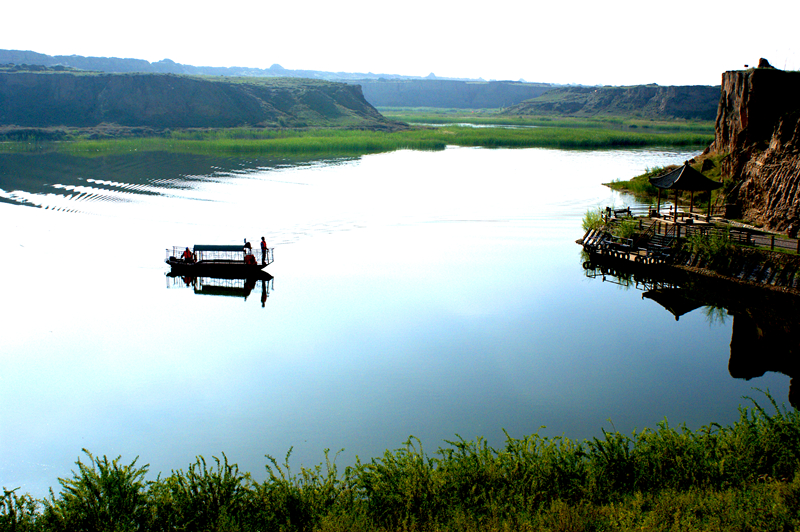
(680, 42)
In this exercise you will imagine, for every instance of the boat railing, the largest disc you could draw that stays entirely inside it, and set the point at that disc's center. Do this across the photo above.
(222, 257)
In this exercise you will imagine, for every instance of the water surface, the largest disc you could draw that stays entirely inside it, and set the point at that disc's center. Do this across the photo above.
(431, 294)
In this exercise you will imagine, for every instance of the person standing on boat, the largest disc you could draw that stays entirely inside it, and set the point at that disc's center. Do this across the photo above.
(187, 256)
(263, 251)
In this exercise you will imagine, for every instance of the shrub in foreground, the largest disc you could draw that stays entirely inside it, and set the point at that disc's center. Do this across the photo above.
(744, 476)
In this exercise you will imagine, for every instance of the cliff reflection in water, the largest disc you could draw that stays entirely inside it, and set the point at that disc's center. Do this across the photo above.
(765, 323)
(231, 286)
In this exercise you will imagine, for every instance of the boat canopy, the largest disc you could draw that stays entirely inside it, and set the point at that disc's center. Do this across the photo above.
(206, 247)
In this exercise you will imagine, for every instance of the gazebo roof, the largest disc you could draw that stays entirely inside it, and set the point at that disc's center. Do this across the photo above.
(675, 300)
(685, 178)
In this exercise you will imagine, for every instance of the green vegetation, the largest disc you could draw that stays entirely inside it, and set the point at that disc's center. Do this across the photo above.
(742, 477)
(640, 185)
(593, 219)
(287, 142)
(262, 142)
(490, 117)
(715, 247)
(709, 166)
(627, 228)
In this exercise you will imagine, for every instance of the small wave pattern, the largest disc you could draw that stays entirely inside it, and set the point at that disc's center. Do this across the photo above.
(75, 184)
(69, 198)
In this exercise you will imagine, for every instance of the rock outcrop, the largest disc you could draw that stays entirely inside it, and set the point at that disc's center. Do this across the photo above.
(758, 132)
(51, 99)
(646, 101)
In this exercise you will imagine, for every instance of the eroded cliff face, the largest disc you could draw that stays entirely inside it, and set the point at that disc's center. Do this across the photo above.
(50, 99)
(758, 129)
(649, 101)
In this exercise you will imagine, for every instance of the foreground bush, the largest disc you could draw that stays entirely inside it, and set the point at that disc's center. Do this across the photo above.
(723, 478)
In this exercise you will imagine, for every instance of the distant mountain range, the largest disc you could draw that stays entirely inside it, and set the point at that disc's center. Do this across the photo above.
(380, 90)
(167, 66)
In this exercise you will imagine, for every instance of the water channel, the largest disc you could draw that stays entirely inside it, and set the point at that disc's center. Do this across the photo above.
(431, 294)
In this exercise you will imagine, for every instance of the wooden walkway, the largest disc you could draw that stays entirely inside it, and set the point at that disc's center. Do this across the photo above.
(656, 234)
(604, 244)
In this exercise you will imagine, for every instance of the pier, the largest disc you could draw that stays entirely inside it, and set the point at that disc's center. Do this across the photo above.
(644, 236)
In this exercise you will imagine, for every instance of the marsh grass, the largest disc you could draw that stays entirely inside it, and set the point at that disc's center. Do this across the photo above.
(741, 477)
(593, 219)
(566, 138)
(333, 142)
(640, 185)
(260, 142)
(422, 115)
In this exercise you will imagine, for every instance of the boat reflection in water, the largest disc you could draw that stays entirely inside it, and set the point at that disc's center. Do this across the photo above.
(230, 286)
(765, 332)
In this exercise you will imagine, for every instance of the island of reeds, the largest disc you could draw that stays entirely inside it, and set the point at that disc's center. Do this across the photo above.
(345, 142)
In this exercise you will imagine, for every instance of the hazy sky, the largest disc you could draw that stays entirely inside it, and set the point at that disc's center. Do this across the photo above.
(676, 42)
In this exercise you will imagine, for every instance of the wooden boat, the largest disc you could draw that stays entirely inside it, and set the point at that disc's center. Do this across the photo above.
(218, 261)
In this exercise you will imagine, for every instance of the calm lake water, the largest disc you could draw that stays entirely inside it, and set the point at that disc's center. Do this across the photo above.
(431, 294)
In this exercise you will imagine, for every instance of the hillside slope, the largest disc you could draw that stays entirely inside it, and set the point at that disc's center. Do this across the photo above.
(645, 101)
(48, 99)
(450, 94)
(758, 133)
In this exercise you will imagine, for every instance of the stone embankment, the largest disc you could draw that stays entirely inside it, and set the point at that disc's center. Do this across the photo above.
(778, 271)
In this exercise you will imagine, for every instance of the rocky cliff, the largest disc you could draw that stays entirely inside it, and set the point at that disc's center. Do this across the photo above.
(646, 101)
(48, 99)
(758, 133)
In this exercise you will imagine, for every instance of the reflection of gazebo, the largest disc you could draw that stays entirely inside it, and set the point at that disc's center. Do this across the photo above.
(684, 178)
(675, 300)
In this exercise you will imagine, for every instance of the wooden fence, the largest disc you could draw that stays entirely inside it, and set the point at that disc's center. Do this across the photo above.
(740, 235)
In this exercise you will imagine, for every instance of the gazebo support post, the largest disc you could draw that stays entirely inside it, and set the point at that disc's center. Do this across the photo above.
(658, 204)
(676, 205)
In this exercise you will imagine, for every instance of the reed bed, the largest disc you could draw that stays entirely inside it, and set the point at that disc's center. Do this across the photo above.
(566, 138)
(279, 143)
(488, 117)
(259, 142)
(741, 477)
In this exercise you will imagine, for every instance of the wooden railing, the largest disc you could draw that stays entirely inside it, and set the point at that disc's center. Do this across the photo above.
(673, 231)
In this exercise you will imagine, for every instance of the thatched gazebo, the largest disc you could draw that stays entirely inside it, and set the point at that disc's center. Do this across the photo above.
(684, 178)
